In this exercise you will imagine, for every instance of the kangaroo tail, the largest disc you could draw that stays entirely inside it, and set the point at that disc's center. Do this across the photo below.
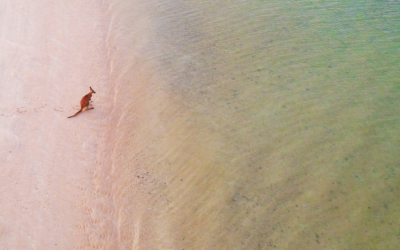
(75, 114)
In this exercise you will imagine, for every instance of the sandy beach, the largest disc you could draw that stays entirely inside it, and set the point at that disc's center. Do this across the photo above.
(51, 53)
(258, 125)
(60, 189)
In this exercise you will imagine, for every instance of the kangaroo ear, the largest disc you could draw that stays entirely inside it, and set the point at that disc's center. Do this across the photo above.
(92, 90)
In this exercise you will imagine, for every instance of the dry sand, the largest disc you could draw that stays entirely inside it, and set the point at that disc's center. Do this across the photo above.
(50, 198)
(59, 186)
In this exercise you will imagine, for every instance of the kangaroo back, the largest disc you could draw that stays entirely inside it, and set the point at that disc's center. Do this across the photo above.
(85, 101)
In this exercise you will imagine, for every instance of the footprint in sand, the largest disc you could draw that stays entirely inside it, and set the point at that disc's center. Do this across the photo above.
(21, 110)
(59, 109)
(39, 108)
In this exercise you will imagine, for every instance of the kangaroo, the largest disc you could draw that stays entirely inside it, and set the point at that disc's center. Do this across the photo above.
(85, 102)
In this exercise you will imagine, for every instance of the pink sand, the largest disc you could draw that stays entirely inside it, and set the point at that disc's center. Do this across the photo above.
(54, 179)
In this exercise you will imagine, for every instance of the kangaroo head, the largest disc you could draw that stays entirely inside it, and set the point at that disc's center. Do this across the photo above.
(92, 90)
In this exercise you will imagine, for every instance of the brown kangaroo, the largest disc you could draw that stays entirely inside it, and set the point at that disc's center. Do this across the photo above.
(85, 102)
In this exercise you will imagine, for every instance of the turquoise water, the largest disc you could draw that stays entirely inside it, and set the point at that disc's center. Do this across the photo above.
(282, 126)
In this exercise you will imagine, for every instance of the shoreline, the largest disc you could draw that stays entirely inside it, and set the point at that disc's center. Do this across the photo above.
(211, 130)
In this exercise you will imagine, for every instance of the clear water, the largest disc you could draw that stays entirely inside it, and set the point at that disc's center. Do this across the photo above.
(278, 127)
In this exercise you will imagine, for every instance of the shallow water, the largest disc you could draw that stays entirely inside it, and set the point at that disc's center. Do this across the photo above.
(272, 125)
(247, 125)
